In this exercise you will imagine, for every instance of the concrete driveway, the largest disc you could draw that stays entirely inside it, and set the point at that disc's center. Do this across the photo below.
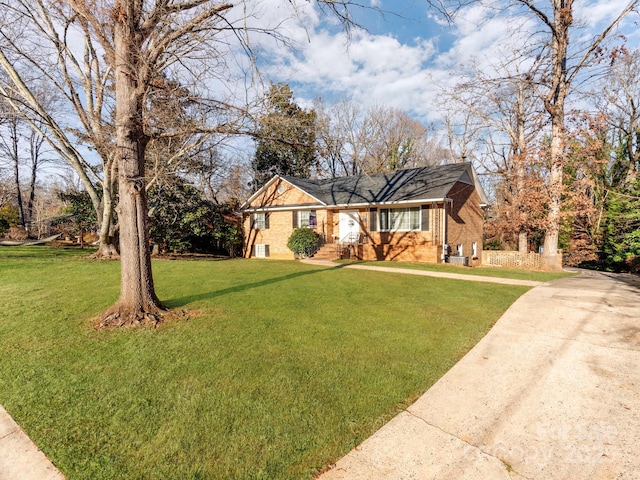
(552, 392)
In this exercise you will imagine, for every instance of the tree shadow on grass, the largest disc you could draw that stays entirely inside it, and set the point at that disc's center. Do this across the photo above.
(182, 301)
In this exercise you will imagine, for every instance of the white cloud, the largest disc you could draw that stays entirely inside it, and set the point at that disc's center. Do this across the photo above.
(593, 13)
(371, 69)
(380, 69)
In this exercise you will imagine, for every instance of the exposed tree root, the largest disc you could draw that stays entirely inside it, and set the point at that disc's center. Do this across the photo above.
(117, 317)
(106, 252)
(100, 256)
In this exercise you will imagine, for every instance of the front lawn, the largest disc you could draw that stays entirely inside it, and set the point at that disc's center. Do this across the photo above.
(283, 368)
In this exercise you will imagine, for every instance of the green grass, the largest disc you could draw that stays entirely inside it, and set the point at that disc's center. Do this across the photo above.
(285, 369)
(516, 273)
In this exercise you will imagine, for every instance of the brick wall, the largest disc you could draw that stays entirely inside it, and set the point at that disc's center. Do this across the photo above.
(465, 222)
(278, 233)
(512, 259)
(399, 252)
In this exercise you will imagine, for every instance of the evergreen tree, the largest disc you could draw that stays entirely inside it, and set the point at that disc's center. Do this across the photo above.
(286, 138)
(621, 232)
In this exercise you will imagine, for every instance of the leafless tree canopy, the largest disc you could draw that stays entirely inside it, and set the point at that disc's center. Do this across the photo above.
(353, 140)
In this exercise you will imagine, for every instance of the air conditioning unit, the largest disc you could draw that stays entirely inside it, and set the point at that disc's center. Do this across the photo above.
(459, 260)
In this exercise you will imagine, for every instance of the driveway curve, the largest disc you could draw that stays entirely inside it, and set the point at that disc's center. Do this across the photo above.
(551, 392)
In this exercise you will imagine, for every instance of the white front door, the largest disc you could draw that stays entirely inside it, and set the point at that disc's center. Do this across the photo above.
(349, 226)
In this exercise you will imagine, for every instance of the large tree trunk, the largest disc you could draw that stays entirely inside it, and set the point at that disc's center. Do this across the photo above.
(521, 158)
(550, 259)
(107, 248)
(15, 153)
(32, 185)
(138, 303)
(555, 106)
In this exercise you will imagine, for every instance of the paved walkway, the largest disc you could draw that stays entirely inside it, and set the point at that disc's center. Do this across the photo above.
(551, 392)
(20, 458)
(425, 273)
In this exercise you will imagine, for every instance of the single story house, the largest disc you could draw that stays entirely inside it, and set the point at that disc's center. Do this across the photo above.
(431, 214)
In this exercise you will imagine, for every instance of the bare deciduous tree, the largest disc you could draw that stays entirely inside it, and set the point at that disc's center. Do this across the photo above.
(61, 85)
(561, 66)
(24, 149)
(618, 99)
(501, 122)
(354, 141)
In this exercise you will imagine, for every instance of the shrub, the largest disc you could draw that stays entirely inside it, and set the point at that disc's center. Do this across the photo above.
(303, 241)
(9, 217)
(4, 226)
(17, 233)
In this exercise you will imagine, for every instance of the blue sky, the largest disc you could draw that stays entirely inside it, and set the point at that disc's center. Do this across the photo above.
(404, 60)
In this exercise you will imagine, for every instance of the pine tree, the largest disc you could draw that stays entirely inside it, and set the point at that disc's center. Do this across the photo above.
(287, 135)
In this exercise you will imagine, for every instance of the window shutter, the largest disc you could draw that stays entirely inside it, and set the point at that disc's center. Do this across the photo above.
(373, 220)
(425, 218)
(266, 250)
(295, 219)
(252, 221)
(384, 219)
(253, 250)
(266, 220)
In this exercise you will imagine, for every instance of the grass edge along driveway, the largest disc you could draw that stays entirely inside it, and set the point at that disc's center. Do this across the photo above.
(284, 369)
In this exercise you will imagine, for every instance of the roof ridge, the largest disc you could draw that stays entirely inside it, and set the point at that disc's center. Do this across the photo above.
(376, 174)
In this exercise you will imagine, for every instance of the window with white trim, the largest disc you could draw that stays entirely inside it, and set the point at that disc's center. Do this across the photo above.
(261, 250)
(307, 219)
(260, 221)
(459, 249)
(474, 249)
(394, 219)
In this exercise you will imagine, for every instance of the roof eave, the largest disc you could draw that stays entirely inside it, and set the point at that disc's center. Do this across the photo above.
(279, 208)
(392, 202)
(484, 200)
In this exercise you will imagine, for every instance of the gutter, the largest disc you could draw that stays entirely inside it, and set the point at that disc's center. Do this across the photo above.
(347, 205)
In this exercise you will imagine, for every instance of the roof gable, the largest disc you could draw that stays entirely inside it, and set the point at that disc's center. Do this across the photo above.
(279, 192)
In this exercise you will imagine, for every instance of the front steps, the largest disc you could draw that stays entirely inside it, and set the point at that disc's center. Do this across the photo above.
(329, 251)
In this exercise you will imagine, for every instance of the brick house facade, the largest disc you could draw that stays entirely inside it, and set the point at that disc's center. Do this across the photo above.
(431, 214)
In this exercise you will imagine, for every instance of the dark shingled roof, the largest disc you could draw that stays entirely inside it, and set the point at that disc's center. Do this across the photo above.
(433, 182)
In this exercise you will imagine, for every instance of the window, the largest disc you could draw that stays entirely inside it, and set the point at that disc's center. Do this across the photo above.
(261, 250)
(260, 221)
(474, 250)
(459, 249)
(400, 218)
(305, 218)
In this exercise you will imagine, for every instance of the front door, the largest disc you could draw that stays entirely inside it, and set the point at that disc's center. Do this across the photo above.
(349, 226)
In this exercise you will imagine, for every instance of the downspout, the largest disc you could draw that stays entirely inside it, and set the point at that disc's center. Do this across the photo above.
(445, 243)
(444, 230)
